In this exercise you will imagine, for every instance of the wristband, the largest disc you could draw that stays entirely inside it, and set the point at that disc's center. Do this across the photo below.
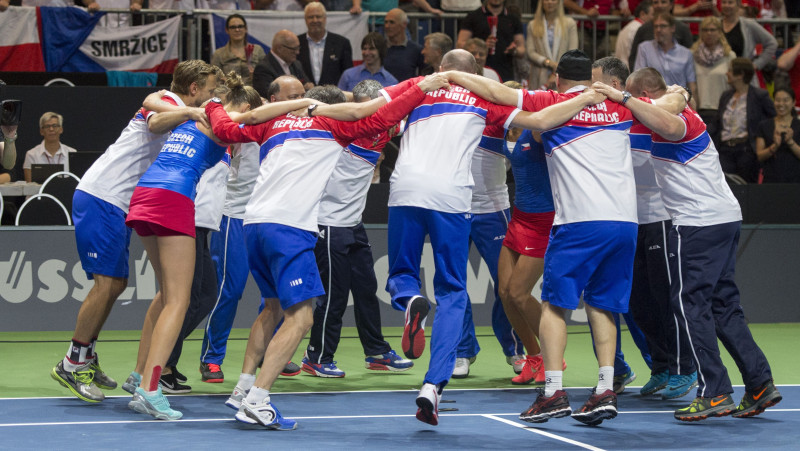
(10, 139)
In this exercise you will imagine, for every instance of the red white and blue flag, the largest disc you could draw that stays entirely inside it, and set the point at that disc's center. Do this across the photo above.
(71, 40)
(20, 47)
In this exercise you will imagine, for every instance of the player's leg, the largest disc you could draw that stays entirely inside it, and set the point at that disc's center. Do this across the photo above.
(733, 332)
(334, 270)
(229, 254)
(102, 241)
(176, 254)
(407, 230)
(289, 269)
(448, 232)
(366, 305)
(694, 276)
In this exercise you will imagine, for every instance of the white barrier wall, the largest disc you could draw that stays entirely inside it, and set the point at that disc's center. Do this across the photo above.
(42, 283)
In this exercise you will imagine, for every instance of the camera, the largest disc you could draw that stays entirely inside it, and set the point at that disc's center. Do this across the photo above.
(10, 112)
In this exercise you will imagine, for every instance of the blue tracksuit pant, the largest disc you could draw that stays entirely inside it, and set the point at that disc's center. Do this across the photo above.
(449, 236)
(487, 232)
(229, 253)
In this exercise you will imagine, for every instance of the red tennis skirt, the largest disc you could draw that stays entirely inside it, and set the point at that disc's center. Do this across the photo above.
(529, 233)
(160, 212)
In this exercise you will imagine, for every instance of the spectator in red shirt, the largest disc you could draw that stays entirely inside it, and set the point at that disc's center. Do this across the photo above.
(594, 8)
(696, 8)
(789, 62)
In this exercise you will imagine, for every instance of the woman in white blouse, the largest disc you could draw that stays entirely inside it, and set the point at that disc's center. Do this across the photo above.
(551, 33)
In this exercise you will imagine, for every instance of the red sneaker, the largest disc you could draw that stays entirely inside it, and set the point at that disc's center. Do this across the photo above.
(543, 409)
(414, 331)
(211, 373)
(532, 371)
(597, 408)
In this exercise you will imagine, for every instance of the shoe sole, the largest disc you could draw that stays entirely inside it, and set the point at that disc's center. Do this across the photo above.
(243, 417)
(653, 390)
(625, 383)
(172, 391)
(665, 396)
(413, 334)
(757, 409)
(383, 367)
(141, 408)
(68, 386)
(425, 412)
(106, 387)
(528, 382)
(208, 379)
(543, 417)
(290, 374)
(233, 404)
(314, 372)
(459, 376)
(709, 413)
(130, 388)
(596, 416)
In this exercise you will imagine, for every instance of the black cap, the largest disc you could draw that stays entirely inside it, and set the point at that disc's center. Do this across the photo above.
(574, 65)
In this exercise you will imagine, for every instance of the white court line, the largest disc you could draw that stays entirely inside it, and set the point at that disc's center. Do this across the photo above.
(493, 416)
(546, 434)
(201, 420)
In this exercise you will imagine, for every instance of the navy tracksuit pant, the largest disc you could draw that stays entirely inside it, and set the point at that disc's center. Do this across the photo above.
(706, 301)
(650, 302)
(344, 258)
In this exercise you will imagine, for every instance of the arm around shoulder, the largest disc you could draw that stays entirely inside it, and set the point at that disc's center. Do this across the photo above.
(788, 58)
(488, 89)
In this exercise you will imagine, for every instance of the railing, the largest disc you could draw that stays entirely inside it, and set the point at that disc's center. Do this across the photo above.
(196, 28)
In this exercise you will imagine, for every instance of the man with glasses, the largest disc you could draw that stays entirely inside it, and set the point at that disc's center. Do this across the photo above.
(671, 59)
(281, 60)
(645, 33)
(50, 151)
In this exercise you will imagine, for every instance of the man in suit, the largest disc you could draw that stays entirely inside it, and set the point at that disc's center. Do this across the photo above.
(281, 60)
(324, 55)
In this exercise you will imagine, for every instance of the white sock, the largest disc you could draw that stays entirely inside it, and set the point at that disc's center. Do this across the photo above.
(68, 365)
(605, 379)
(257, 395)
(552, 382)
(246, 381)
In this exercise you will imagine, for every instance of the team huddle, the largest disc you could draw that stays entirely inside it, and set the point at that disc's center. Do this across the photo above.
(620, 201)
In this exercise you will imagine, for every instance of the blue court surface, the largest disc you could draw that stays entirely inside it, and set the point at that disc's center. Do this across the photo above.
(385, 420)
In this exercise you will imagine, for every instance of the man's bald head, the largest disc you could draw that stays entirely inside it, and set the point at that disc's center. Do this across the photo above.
(397, 15)
(646, 82)
(460, 60)
(285, 87)
(286, 45)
